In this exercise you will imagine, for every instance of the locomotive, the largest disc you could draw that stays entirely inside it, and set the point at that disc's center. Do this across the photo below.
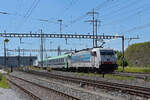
(86, 60)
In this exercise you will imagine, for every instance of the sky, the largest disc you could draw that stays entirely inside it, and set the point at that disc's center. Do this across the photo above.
(117, 17)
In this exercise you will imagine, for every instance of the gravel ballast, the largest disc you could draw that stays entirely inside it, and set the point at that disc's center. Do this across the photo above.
(135, 82)
(81, 93)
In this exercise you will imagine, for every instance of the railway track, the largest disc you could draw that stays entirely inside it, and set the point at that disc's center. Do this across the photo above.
(25, 90)
(143, 76)
(130, 89)
(34, 96)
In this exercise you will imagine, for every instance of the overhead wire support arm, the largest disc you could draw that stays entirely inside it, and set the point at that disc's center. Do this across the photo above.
(131, 38)
(75, 36)
(38, 50)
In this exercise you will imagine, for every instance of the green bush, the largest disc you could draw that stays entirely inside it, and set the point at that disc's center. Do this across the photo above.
(119, 59)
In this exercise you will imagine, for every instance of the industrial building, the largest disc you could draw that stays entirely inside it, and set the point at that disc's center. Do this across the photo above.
(15, 61)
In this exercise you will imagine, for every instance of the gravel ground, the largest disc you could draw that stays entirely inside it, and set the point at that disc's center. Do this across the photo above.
(9, 94)
(74, 90)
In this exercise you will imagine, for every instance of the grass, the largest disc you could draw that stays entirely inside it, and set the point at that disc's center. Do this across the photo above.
(134, 69)
(3, 82)
(107, 76)
(119, 77)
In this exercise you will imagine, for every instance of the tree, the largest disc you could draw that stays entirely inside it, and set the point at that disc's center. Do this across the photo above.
(119, 59)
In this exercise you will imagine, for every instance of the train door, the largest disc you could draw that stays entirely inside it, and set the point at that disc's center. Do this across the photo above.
(93, 58)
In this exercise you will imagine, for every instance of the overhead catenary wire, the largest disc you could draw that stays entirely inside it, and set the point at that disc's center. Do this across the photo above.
(118, 10)
(29, 12)
(138, 28)
(134, 12)
(71, 4)
(103, 4)
(130, 16)
(32, 8)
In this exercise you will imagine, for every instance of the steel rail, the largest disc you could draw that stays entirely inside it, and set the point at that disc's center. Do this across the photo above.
(143, 77)
(69, 97)
(130, 89)
(25, 90)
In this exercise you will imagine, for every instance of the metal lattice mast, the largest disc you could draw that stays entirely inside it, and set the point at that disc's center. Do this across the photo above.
(41, 48)
(93, 13)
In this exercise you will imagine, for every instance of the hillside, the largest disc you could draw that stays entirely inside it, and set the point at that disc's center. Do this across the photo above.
(138, 54)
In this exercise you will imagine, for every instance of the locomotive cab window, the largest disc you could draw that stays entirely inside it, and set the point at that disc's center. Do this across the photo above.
(106, 52)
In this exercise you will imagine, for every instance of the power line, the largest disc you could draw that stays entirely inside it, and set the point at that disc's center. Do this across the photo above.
(137, 11)
(138, 28)
(103, 4)
(29, 12)
(119, 9)
(71, 4)
(32, 9)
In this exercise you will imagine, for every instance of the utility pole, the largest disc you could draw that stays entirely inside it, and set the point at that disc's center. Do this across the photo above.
(60, 21)
(96, 30)
(93, 13)
(60, 30)
(123, 52)
(59, 50)
(41, 48)
(19, 60)
(23, 57)
(30, 60)
(123, 39)
(5, 56)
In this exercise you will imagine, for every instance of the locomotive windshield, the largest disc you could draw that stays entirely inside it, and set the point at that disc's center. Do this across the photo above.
(106, 52)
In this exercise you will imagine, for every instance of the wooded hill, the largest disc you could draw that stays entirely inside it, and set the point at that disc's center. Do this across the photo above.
(138, 54)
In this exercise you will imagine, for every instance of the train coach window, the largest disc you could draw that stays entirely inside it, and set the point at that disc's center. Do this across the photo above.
(62, 60)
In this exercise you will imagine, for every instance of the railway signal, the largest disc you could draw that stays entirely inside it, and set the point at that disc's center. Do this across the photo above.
(6, 40)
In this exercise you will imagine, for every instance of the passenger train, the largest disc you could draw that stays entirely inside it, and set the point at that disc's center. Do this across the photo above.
(87, 60)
